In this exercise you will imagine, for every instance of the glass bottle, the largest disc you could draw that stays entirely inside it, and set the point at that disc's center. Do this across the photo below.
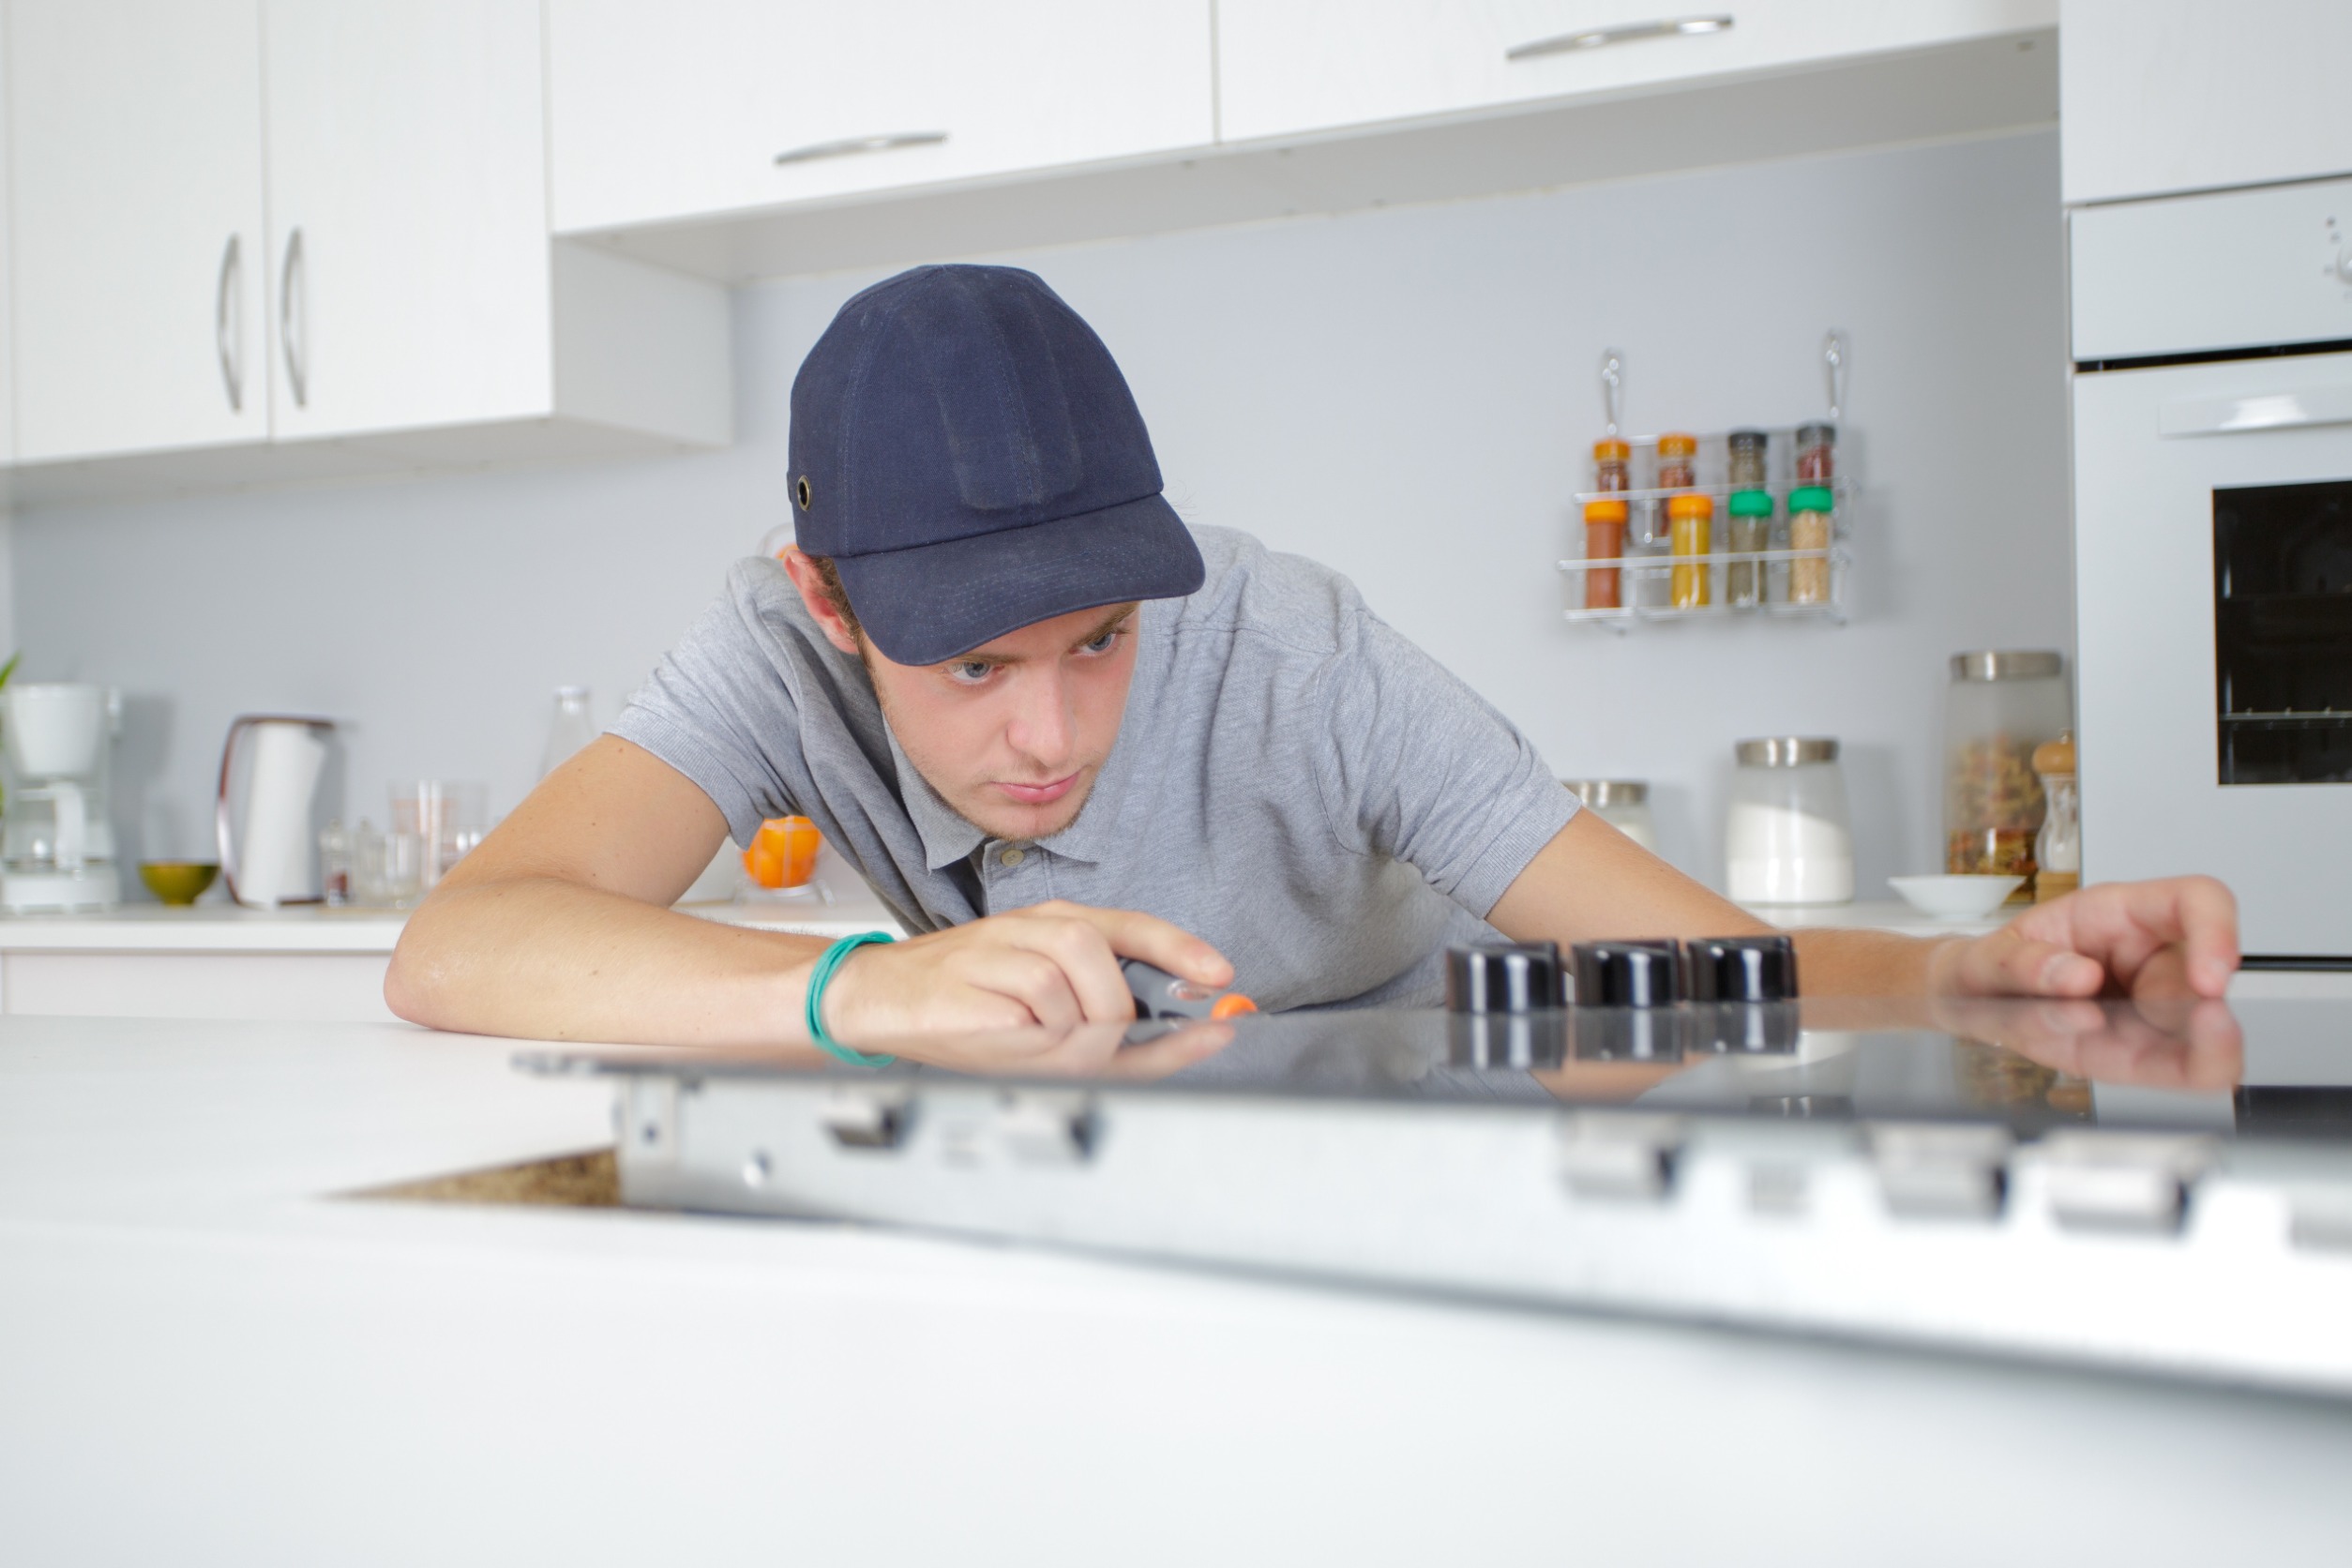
(1604, 540)
(2000, 705)
(1748, 452)
(1809, 529)
(335, 863)
(1678, 461)
(570, 728)
(1690, 519)
(1817, 454)
(2057, 849)
(1750, 532)
(1612, 466)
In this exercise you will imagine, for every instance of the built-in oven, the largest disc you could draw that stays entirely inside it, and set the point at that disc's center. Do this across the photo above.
(2212, 406)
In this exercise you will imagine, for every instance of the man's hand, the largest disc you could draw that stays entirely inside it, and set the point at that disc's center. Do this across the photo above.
(1054, 964)
(2173, 940)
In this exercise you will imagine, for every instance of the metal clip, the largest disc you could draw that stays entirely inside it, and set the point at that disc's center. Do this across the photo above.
(1620, 1155)
(2123, 1181)
(1931, 1172)
(867, 1117)
(1038, 1126)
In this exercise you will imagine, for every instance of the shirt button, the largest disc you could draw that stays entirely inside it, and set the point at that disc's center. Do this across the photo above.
(1010, 857)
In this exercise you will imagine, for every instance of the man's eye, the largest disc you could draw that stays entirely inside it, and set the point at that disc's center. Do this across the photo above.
(971, 671)
(1102, 644)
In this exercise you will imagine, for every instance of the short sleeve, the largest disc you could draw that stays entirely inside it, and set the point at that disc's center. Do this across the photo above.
(717, 707)
(1421, 769)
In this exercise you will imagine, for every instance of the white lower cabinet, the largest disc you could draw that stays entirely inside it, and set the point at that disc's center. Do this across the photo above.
(302, 987)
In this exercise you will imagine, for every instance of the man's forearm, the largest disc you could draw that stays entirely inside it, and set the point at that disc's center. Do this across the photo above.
(544, 958)
(1865, 963)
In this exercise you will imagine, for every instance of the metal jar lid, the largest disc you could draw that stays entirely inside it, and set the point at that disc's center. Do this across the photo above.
(1785, 752)
(2007, 664)
(1602, 792)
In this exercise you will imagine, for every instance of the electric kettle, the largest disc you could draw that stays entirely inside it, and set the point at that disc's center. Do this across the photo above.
(274, 859)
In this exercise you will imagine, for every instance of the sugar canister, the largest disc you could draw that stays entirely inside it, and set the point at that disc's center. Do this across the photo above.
(1787, 841)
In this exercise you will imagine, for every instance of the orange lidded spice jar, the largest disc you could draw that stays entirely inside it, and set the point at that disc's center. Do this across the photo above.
(1604, 540)
(1678, 461)
(1690, 519)
(1612, 466)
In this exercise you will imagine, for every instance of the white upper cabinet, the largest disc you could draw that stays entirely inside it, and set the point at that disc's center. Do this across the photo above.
(2164, 95)
(138, 248)
(699, 106)
(408, 214)
(1290, 66)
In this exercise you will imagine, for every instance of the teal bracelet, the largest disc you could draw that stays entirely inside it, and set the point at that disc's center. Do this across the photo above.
(818, 978)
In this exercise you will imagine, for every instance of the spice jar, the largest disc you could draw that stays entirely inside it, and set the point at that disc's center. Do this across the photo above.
(1612, 466)
(1817, 454)
(1999, 707)
(1690, 518)
(1750, 532)
(2057, 849)
(1786, 840)
(1809, 529)
(1604, 540)
(1678, 461)
(1746, 471)
(1621, 802)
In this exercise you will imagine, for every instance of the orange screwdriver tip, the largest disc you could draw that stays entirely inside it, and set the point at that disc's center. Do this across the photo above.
(1232, 1004)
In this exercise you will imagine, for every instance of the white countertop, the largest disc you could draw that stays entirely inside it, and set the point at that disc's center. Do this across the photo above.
(206, 1356)
(221, 927)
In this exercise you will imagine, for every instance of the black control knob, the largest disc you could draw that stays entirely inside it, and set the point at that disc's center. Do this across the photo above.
(1628, 973)
(1740, 969)
(1503, 977)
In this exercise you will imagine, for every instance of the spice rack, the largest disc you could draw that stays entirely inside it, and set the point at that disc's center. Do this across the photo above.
(1646, 571)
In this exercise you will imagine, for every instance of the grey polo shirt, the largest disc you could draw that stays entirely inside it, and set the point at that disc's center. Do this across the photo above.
(1294, 782)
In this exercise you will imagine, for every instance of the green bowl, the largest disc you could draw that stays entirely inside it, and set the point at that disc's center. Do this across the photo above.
(177, 881)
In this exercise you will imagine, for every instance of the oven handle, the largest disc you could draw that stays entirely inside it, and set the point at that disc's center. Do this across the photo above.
(2272, 410)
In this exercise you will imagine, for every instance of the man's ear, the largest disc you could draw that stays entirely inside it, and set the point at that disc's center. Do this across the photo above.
(813, 595)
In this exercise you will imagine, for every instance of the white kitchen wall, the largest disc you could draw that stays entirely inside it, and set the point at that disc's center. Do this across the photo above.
(1405, 394)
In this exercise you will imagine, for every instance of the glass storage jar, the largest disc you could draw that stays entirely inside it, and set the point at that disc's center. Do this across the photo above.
(1787, 841)
(1690, 519)
(1817, 454)
(1747, 450)
(2000, 705)
(1621, 802)
(1612, 464)
(1604, 540)
(1809, 529)
(1678, 461)
(1750, 532)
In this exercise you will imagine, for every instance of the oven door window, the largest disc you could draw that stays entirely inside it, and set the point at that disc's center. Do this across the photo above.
(2283, 632)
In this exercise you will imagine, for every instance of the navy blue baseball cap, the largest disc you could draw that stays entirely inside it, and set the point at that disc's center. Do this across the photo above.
(966, 451)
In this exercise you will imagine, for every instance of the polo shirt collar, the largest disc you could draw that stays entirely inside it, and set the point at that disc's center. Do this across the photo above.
(946, 837)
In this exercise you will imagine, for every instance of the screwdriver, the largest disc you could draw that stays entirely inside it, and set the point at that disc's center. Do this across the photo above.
(1161, 995)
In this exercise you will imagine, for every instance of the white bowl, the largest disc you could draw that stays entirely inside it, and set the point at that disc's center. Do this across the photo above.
(1955, 897)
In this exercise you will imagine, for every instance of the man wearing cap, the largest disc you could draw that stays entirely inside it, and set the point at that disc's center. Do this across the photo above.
(1053, 727)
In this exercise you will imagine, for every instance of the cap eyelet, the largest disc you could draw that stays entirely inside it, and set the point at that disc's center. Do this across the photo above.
(800, 492)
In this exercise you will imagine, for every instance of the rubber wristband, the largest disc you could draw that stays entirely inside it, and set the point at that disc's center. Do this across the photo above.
(818, 978)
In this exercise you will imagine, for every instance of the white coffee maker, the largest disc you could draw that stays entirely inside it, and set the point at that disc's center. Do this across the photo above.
(57, 847)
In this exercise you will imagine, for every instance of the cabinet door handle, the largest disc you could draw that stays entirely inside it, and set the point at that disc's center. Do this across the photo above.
(1631, 32)
(227, 324)
(849, 145)
(294, 320)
